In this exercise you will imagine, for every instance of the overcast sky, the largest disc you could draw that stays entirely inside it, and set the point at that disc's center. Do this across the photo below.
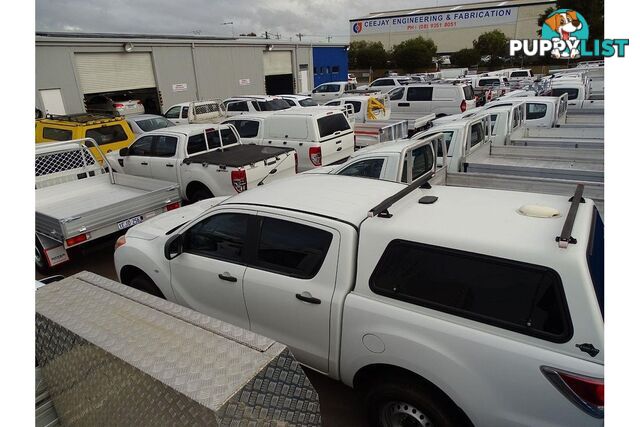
(315, 19)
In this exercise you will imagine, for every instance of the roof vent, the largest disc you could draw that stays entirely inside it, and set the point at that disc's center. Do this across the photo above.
(536, 211)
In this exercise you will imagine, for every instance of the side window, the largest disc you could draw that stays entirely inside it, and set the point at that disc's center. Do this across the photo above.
(164, 146)
(142, 147)
(196, 144)
(370, 168)
(524, 298)
(173, 113)
(356, 105)
(219, 236)
(536, 111)
(321, 89)
(107, 134)
(290, 102)
(333, 103)
(292, 249)
(396, 94)
(477, 135)
(185, 112)
(422, 161)
(56, 134)
(419, 93)
(383, 82)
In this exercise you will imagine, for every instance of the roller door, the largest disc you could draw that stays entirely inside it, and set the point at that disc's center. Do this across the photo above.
(112, 72)
(276, 63)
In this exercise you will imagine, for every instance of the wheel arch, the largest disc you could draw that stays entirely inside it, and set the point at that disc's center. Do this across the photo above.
(193, 187)
(129, 272)
(369, 374)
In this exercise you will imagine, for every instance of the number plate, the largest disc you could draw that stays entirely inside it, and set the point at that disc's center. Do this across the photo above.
(130, 222)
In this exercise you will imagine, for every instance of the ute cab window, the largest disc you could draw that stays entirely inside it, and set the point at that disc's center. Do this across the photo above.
(219, 236)
(368, 168)
(173, 113)
(571, 93)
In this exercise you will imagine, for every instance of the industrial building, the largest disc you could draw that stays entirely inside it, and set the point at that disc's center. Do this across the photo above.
(451, 27)
(165, 70)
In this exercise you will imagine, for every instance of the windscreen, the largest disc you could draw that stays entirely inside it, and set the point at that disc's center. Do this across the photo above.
(273, 105)
(155, 123)
(331, 124)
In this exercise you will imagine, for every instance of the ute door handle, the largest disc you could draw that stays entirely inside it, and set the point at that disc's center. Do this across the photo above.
(403, 104)
(169, 165)
(144, 163)
(306, 297)
(227, 277)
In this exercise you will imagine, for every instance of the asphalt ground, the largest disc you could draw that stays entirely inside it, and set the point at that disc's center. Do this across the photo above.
(339, 404)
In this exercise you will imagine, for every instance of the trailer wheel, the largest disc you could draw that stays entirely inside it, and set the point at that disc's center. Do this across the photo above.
(143, 283)
(41, 259)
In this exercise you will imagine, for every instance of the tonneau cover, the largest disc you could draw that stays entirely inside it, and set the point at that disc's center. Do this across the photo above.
(238, 155)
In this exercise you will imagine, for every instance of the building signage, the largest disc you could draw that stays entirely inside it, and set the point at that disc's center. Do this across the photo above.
(244, 82)
(179, 87)
(436, 21)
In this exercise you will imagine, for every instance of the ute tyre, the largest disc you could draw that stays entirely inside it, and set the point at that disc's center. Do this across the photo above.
(406, 404)
(200, 194)
(142, 283)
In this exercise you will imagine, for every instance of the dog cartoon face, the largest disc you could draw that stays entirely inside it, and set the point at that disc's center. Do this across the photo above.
(564, 23)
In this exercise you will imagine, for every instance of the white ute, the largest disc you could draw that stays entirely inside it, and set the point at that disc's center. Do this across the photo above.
(205, 160)
(442, 306)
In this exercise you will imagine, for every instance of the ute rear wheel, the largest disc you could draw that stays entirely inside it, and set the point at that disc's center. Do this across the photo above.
(407, 403)
(200, 194)
(41, 259)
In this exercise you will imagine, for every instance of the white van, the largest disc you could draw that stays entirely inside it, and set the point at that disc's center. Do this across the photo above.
(439, 99)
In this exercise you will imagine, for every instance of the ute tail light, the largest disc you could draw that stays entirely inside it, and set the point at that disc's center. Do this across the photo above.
(295, 158)
(587, 393)
(315, 155)
(239, 180)
(172, 206)
(463, 106)
(118, 105)
(72, 241)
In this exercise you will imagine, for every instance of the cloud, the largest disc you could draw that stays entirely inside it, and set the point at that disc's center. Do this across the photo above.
(315, 19)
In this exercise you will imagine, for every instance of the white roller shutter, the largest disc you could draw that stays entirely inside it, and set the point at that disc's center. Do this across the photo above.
(109, 72)
(277, 63)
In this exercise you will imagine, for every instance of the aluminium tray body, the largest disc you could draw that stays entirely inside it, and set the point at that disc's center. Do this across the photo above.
(111, 355)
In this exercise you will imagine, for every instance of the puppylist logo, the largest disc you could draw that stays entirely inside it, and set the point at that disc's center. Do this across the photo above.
(564, 35)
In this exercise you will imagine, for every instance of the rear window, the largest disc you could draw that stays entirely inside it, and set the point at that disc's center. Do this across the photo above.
(56, 134)
(237, 106)
(520, 297)
(468, 93)
(331, 124)
(292, 249)
(477, 134)
(520, 74)
(536, 111)
(107, 134)
(228, 138)
(356, 105)
(488, 82)
(571, 93)
(246, 128)
(595, 258)
(419, 93)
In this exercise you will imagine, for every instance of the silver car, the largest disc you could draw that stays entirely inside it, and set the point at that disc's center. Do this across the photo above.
(147, 122)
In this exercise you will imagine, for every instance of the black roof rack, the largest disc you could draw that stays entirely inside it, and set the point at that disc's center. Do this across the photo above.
(83, 117)
(381, 209)
(565, 238)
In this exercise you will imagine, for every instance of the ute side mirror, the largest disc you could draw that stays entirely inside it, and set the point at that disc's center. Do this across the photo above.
(173, 247)
(124, 152)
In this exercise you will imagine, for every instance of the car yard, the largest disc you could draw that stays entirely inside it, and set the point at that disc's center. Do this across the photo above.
(374, 254)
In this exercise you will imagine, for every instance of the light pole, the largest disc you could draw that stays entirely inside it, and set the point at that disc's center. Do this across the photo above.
(233, 34)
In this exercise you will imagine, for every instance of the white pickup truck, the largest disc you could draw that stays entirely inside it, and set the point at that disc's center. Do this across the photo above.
(78, 201)
(421, 299)
(320, 135)
(205, 160)
(580, 100)
(212, 111)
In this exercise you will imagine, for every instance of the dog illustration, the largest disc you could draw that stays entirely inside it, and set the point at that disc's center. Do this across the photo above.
(564, 24)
